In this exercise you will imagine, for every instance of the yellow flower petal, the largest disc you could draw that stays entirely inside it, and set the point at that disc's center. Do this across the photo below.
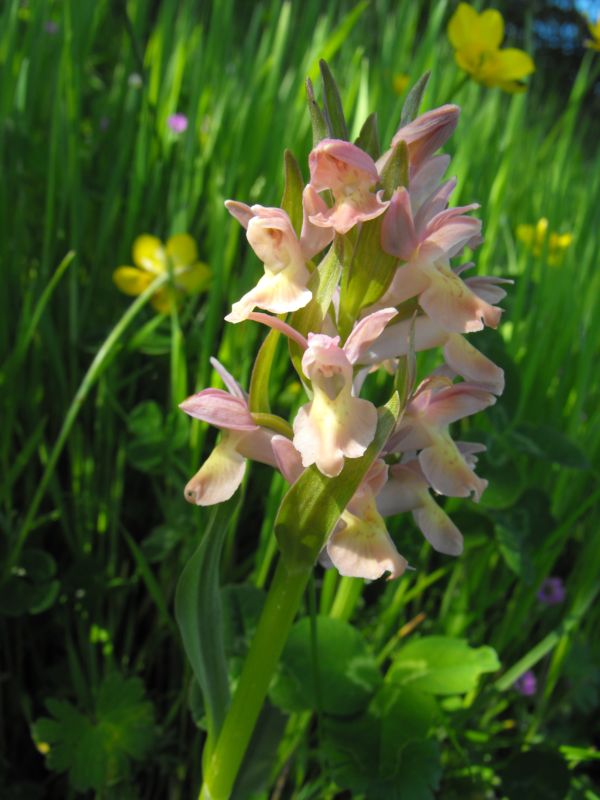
(490, 29)
(182, 250)
(462, 25)
(512, 64)
(148, 253)
(132, 280)
(194, 279)
(165, 299)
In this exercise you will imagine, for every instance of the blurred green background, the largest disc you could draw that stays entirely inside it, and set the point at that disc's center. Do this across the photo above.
(95, 454)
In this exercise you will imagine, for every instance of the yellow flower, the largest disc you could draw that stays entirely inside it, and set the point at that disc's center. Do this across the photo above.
(152, 258)
(476, 39)
(400, 82)
(594, 42)
(536, 239)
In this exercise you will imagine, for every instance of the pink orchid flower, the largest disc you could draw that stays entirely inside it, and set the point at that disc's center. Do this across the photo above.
(283, 287)
(335, 425)
(222, 473)
(423, 136)
(427, 242)
(350, 173)
(460, 355)
(360, 546)
(407, 489)
(437, 403)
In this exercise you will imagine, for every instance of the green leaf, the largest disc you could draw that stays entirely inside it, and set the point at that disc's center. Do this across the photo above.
(97, 752)
(261, 374)
(33, 588)
(549, 444)
(337, 675)
(312, 506)
(538, 774)
(332, 105)
(395, 172)
(261, 754)
(413, 100)
(368, 276)
(199, 614)
(368, 138)
(442, 665)
(319, 126)
(291, 202)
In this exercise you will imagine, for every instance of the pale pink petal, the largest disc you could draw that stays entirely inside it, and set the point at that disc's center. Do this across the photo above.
(289, 461)
(394, 340)
(447, 471)
(453, 306)
(449, 239)
(219, 408)
(427, 133)
(313, 238)
(335, 163)
(326, 431)
(277, 293)
(470, 450)
(434, 204)
(257, 445)
(472, 365)
(219, 477)
(365, 333)
(437, 527)
(402, 492)
(350, 210)
(240, 211)
(424, 181)
(457, 402)
(408, 281)
(230, 382)
(488, 288)
(364, 549)
(398, 234)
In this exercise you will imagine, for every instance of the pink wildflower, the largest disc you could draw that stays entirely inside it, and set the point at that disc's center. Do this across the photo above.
(177, 123)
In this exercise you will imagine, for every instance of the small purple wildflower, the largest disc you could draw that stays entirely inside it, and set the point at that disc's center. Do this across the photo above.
(526, 684)
(177, 123)
(552, 591)
(51, 27)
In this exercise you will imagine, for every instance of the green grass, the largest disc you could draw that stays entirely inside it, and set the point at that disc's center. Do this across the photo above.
(89, 164)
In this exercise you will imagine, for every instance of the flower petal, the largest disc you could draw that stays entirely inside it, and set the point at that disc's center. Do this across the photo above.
(398, 233)
(131, 280)
(365, 333)
(220, 409)
(242, 212)
(362, 548)
(195, 278)
(462, 26)
(182, 250)
(437, 527)
(472, 365)
(278, 293)
(219, 477)
(447, 471)
(512, 64)
(230, 382)
(288, 459)
(149, 254)
(453, 306)
(313, 238)
(490, 29)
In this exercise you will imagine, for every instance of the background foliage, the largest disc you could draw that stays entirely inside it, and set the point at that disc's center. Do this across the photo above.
(97, 695)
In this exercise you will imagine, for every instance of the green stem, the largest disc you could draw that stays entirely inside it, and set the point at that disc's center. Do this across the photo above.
(275, 622)
(94, 371)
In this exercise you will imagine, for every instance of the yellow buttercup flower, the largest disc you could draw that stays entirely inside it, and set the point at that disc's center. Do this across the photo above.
(476, 39)
(400, 82)
(537, 239)
(594, 29)
(152, 258)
